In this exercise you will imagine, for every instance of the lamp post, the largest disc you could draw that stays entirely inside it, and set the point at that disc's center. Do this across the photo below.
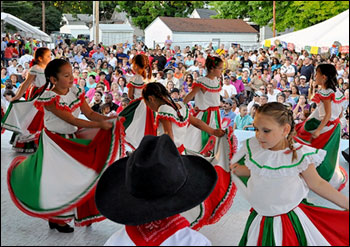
(274, 18)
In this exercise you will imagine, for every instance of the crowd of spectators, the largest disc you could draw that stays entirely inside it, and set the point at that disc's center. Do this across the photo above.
(250, 77)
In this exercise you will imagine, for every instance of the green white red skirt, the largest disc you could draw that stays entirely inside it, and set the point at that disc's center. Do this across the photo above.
(305, 225)
(329, 141)
(25, 120)
(62, 174)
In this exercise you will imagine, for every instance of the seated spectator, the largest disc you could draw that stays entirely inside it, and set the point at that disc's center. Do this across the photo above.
(303, 88)
(124, 103)
(289, 99)
(264, 99)
(175, 95)
(295, 93)
(283, 84)
(227, 113)
(97, 102)
(237, 83)
(242, 119)
(106, 110)
(8, 95)
(281, 98)
(299, 108)
(252, 114)
(257, 80)
(228, 89)
(103, 80)
(255, 101)
(109, 101)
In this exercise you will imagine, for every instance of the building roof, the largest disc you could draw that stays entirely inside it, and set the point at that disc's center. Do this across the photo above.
(177, 24)
(116, 27)
(205, 13)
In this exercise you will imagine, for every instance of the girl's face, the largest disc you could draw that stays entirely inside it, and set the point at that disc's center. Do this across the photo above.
(217, 70)
(302, 99)
(152, 103)
(294, 90)
(64, 77)
(46, 58)
(320, 79)
(270, 134)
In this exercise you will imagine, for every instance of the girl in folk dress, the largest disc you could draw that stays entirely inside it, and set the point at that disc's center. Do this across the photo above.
(23, 118)
(57, 182)
(280, 176)
(206, 91)
(172, 119)
(139, 117)
(322, 129)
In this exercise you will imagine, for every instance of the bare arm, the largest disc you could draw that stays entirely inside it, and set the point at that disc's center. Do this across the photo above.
(205, 127)
(190, 96)
(322, 188)
(240, 170)
(69, 118)
(22, 89)
(168, 129)
(131, 93)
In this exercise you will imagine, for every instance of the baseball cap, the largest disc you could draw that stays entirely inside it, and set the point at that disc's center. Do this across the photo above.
(175, 90)
(226, 77)
(303, 77)
(85, 70)
(229, 101)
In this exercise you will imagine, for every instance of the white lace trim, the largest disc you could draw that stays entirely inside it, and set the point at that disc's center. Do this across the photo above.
(264, 162)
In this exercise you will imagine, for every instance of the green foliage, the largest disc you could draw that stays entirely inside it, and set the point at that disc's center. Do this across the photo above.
(142, 13)
(297, 14)
(31, 12)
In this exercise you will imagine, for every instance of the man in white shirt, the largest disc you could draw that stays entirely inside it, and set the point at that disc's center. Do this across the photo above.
(13, 68)
(228, 89)
(288, 70)
(25, 58)
(271, 93)
(170, 77)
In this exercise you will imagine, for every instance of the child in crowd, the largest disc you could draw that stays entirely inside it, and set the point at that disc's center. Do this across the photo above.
(26, 132)
(68, 163)
(243, 119)
(280, 174)
(322, 127)
(149, 204)
(206, 91)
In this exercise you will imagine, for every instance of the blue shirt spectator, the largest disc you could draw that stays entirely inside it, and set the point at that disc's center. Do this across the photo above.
(98, 55)
(227, 112)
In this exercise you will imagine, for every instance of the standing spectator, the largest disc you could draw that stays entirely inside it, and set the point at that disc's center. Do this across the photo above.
(160, 60)
(246, 62)
(221, 51)
(8, 54)
(168, 42)
(307, 69)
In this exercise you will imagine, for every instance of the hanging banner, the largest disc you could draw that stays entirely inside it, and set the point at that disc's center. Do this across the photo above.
(324, 49)
(284, 45)
(307, 48)
(290, 46)
(267, 43)
(314, 50)
(344, 49)
(334, 50)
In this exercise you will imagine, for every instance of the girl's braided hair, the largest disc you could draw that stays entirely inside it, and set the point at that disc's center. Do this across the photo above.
(282, 115)
(157, 90)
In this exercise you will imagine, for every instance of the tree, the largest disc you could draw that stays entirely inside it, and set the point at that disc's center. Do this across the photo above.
(297, 14)
(142, 13)
(31, 12)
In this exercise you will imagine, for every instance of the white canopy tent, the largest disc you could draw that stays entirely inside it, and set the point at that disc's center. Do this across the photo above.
(322, 34)
(28, 29)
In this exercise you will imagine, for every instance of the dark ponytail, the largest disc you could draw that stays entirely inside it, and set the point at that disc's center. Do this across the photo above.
(330, 71)
(38, 53)
(159, 91)
(52, 69)
(212, 62)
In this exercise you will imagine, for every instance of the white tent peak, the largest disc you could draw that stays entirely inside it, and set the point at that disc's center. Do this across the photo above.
(25, 27)
(322, 34)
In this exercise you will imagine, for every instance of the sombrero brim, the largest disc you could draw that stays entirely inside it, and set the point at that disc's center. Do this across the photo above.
(115, 202)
